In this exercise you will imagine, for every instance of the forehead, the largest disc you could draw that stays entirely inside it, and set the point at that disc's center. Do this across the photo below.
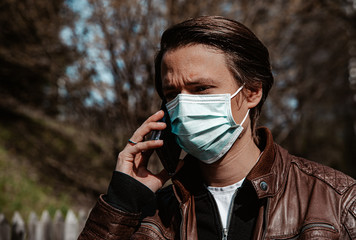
(193, 63)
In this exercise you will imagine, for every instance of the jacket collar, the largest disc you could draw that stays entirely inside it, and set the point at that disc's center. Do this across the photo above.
(266, 176)
(269, 174)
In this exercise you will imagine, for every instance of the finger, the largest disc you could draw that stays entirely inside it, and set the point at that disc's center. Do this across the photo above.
(144, 146)
(149, 125)
(141, 159)
(156, 116)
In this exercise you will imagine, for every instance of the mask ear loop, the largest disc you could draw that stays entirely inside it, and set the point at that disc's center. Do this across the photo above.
(245, 117)
(238, 90)
(233, 95)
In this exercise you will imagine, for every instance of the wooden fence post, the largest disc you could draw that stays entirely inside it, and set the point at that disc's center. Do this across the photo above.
(5, 229)
(44, 227)
(71, 226)
(32, 226)
(82, 218)
(58, 226)
(18, 230)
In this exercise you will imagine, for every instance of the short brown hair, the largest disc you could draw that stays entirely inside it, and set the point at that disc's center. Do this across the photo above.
(247, 58)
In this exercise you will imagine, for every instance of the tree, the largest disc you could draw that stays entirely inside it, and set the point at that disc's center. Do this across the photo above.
(311, 102)
(312, 108)
(32, 55)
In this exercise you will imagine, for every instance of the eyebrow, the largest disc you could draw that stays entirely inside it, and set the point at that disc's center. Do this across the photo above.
(197, 81)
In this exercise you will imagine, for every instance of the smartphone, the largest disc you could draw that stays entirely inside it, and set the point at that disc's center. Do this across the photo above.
(170, 152)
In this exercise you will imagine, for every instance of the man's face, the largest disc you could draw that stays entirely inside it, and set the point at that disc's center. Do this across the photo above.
(198, 69)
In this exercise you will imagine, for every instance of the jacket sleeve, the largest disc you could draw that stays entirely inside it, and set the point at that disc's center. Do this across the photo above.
(128, 194)
(117, 214)
(350, 220)
(107, 222)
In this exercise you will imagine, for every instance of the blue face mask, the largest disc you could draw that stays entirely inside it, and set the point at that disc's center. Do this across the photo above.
(204, 124)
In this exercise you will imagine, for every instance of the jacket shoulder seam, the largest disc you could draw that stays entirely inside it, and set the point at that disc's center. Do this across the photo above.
(337, 180)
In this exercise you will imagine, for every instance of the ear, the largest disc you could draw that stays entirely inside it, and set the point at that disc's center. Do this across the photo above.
(253, 98)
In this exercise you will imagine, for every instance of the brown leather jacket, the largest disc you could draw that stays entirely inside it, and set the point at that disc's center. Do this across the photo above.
(304, 200)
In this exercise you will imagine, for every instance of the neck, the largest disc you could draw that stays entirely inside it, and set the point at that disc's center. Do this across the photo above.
(235, 165)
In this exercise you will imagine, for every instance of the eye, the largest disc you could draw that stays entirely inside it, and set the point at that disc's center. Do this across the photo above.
(201, 89)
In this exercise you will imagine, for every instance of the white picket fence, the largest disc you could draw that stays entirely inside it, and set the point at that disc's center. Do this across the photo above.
(43, 228)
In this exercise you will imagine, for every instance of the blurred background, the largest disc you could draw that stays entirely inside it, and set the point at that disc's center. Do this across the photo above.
(76, 79)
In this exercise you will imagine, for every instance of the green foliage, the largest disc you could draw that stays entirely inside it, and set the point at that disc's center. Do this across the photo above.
(20, 191)
(47, 164)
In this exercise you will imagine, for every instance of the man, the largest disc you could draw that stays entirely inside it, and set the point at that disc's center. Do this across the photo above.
(235, 182)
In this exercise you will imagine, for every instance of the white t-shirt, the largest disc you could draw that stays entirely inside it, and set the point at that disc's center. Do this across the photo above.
(223, 197)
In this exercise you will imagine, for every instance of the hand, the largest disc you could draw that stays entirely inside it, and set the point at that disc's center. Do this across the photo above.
(133, 159)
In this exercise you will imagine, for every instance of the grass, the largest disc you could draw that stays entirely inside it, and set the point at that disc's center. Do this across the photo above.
(46, 164)
(21, 192)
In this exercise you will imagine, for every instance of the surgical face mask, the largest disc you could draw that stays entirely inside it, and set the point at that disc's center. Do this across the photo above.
(204, 124)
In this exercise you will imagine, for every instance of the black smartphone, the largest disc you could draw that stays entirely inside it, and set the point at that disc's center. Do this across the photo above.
(170, 152)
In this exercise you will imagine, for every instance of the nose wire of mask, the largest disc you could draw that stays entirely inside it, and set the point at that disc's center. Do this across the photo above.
(204, 124)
